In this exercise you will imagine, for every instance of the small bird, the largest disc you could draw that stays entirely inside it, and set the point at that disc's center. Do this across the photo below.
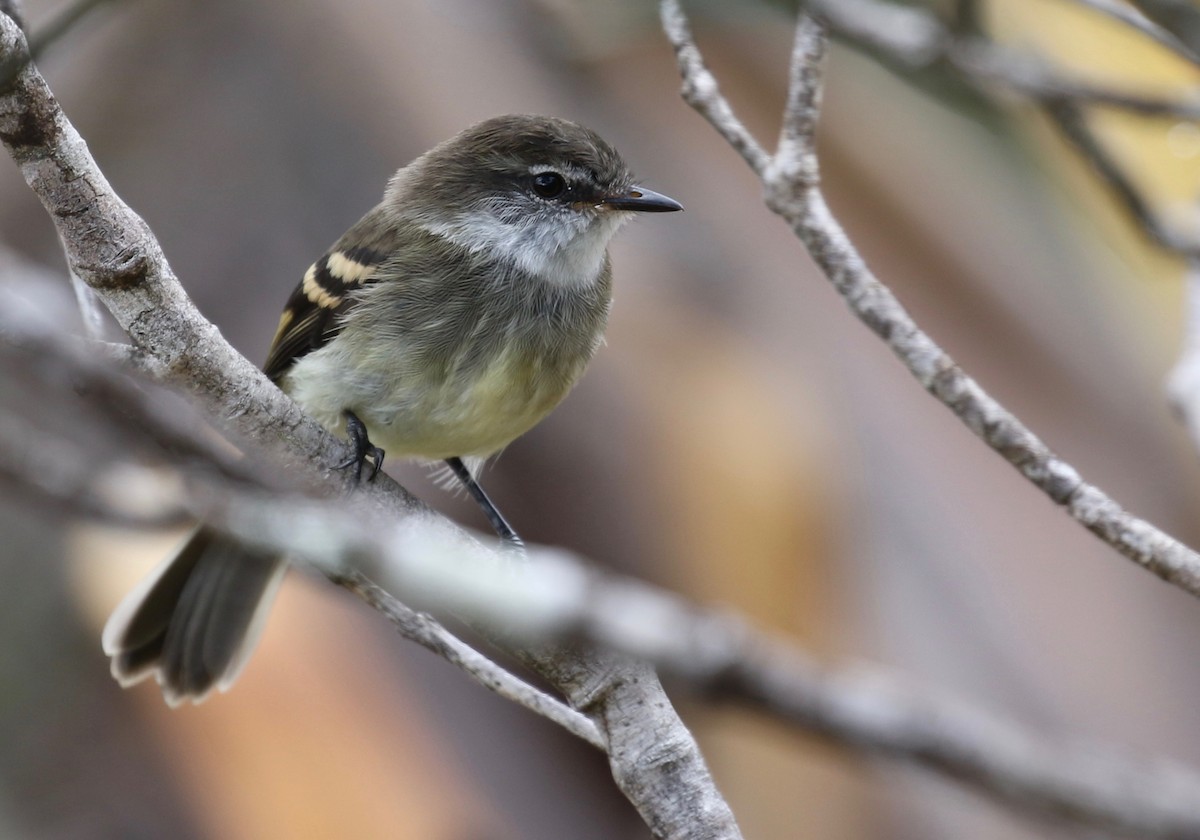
(444, 324)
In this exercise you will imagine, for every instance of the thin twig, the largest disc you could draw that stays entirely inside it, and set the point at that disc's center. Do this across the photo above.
(1174, 24)
(423, 629)
(800, 201)
(915, 38)
(795, 149)
(701, 88)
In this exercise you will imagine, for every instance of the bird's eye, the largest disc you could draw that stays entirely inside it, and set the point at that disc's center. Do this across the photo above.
(549, 184)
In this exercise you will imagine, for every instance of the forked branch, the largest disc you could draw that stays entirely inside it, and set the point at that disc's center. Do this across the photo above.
(115, 253)
(791, 188)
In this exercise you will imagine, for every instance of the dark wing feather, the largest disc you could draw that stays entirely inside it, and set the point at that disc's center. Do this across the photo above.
(303, 327)
(314, 311)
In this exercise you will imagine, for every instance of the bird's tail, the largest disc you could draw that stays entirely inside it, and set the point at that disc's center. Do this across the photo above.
(195, 620)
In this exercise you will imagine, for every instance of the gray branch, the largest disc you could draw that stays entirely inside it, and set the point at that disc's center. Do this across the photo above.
(913, 37)
(791, 184)
(553, 598)
(654, 758)
(101, 461)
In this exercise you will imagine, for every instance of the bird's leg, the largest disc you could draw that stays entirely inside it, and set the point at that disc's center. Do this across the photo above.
(498, 522)
(356, 430)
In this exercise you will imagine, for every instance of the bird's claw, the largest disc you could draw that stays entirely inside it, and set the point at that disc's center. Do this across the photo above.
(364, 450)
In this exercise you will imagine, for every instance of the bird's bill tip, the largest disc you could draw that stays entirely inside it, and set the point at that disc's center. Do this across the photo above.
(642, 200)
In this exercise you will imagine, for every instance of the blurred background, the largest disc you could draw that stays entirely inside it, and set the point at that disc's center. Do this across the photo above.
(741, 438)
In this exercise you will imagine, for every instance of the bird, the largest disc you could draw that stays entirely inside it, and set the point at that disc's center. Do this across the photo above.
(445, 323)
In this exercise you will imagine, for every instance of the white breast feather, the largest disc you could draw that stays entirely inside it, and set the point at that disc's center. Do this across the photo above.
(569, 252)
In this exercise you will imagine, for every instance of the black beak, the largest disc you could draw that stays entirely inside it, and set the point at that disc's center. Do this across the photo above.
(642, 200)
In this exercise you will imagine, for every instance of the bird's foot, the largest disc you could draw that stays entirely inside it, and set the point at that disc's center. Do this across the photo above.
(364, 450)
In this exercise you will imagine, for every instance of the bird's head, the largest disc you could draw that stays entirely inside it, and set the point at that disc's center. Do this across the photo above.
(544, 193)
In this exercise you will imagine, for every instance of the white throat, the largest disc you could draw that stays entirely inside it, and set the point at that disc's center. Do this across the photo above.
(566, 250)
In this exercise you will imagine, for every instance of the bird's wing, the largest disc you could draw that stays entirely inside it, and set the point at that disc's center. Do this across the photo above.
(315, 310)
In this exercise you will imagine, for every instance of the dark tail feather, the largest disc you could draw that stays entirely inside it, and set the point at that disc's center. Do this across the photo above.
(195, 620)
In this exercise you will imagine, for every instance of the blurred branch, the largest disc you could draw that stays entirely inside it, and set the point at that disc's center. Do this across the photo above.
(1179, 17)
(913, 37)
(791, 184)
(131, 454)
(90, 308)
(1131, 17)
(63, 23)
(554, 597)
(45, 37)
(1183, 383)
(968, 17)
(654, 759)
(16, 267)
(132, 358)
(992, 67)
(1072, 125)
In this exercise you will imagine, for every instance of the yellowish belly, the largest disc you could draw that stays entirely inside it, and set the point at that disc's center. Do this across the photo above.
(414, 417)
